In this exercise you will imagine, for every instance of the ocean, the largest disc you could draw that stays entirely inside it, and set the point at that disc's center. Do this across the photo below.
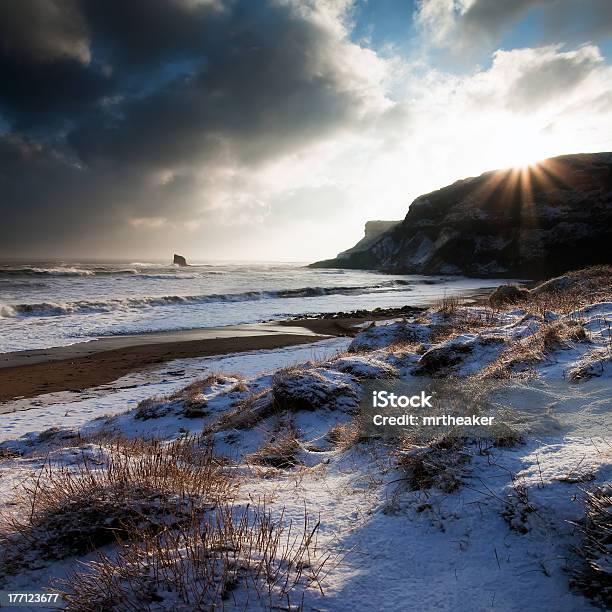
(47, 304)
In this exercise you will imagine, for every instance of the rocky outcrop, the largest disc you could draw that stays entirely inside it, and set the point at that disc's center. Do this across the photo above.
(179, 260)
(507, 294)
(532, 223)
(373, 230)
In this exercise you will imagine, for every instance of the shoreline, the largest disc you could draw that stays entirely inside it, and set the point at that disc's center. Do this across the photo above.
(27, 374)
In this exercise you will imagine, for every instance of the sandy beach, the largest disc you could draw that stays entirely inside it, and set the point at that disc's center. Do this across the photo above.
(80, 366)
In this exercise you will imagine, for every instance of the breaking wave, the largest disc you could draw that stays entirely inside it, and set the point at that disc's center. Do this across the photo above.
(56, 271)
(70, 271)
(47, 309)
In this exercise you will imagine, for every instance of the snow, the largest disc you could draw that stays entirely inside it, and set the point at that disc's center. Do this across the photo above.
(365, 366)
(68, 411)
(503, 540)
(386, 333)
(444, 557)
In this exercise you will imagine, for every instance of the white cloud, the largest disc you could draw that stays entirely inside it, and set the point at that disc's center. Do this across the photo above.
(467, 25)
(529, 104)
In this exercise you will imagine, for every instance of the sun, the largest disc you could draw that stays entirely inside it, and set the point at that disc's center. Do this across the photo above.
(524, 153)
(521, 145)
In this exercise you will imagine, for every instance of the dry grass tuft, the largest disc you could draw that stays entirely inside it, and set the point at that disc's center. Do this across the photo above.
(447, 305)
(438, 464)
(463, 321)
(591, 365)
(54, 433)
(293, 389)
(239, 387)
(439, 360)
(188, 401)
(363, 367)
(298, 388)
(595, 577)
(199, 386)
(280, 452)
(570, 292)
(111, 493)
(522, 355)
(247, 413)
(507, 295)
(503, 435)
(517, 508)
(192, 396)
(9, 453)
(344, 435)
(235, 558)
(154, 407)
(404, 347)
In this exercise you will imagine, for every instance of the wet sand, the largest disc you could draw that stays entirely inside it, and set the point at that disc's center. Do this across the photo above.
(26, 374)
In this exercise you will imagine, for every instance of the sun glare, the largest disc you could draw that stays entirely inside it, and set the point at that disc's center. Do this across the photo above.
(522, 145)
(524, 153)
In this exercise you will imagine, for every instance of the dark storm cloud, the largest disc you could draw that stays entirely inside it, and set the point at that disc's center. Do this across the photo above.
(45, 66)
(269, 83)
(61, 57)
(43, 31)
(49, 201)
(135, 105)
(44, 195)
(47, 96)
(147, 31)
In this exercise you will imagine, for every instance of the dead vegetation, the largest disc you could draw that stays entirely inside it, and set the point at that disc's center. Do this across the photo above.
(246, 413)
(232, 557)
(438, 464)
(520, 356)
(190, 401)
(595, 575)
(566, 293)
(503, 435)
(9, 453)
(179, 541)
(592, 364)
(293, 389)
(152, 408)
(518, 508)
(195, 389)
(344, 435)
(298, 388)
(281, 451)
(438, 360)
(364, 366)
(403, 347)
(448, 305)
(507, 295)
(461, 320)
(111, 493)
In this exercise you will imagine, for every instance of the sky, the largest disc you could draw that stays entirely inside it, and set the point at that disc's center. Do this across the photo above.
(252, 130)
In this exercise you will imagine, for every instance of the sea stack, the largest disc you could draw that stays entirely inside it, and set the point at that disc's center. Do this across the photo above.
(179, 260)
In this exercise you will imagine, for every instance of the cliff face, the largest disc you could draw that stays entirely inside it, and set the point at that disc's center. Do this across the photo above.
(373, 230)
(533, 222)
